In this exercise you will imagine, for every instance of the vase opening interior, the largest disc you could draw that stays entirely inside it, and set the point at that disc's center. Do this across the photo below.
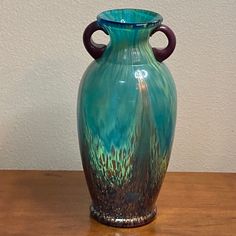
(133, 17)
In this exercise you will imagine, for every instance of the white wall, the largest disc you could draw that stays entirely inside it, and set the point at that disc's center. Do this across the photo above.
(42, 59)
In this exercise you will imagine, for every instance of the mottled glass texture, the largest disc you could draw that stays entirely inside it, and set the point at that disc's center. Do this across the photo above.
(126, 121)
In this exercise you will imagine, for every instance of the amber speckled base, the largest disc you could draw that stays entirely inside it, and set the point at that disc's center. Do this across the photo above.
(114, 221)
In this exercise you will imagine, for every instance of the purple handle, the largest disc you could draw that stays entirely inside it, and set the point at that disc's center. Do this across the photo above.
(162, 54)
(94, 49)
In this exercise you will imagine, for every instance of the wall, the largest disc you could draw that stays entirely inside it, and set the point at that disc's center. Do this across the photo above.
(42, 60)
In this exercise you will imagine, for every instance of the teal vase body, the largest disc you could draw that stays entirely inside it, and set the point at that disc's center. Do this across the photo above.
(126, 117)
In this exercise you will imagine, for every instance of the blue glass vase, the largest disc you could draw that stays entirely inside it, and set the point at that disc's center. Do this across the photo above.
(126, 117)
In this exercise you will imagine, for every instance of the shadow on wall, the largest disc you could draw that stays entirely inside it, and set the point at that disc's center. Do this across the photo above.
(39, 130)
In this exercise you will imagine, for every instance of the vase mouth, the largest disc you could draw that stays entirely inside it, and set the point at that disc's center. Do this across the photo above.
(130, 18)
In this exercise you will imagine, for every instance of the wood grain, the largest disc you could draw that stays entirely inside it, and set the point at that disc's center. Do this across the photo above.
(56, 203)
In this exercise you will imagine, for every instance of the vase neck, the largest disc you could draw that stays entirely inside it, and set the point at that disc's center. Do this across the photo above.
(128, 38)
(129, 31)
(129, 46)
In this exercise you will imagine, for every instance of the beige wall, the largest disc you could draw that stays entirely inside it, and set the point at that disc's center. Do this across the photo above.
(42, 59)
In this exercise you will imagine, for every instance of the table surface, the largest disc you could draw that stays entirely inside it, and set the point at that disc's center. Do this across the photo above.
(56, 203)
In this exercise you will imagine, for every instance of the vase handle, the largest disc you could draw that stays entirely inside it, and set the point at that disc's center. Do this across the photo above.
(94, 49)
(162, 54)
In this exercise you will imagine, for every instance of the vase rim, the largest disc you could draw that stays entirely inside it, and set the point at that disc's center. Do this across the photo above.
(130, 17)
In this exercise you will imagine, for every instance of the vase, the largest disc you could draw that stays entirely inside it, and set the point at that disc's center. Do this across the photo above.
(126, 116)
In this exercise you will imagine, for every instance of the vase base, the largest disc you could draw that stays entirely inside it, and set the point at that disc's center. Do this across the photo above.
(122, 222)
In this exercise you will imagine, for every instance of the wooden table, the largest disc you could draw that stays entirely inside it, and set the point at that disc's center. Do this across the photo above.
(56, 203)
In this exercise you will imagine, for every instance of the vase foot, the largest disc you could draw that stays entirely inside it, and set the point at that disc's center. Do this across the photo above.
(122, 222)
